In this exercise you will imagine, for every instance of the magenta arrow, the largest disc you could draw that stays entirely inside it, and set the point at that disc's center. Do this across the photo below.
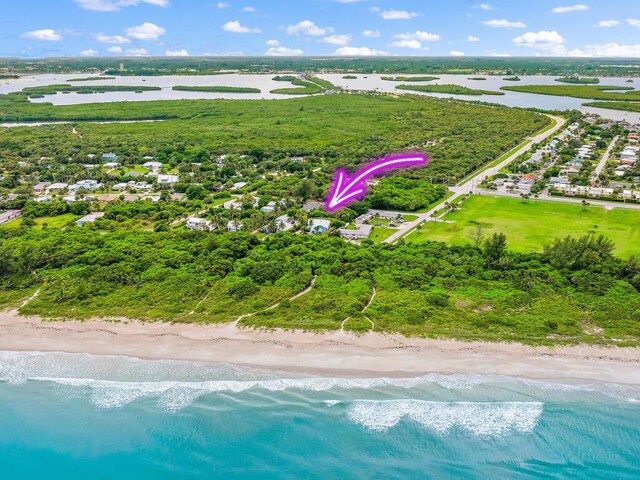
(345, 190)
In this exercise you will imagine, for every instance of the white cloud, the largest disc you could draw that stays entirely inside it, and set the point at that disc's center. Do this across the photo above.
(483, 6)
(89, 52)
(176, 53)
(413, 44)
(607, 50)
(137, 52)
(548, 42)
(607, 23)
(307, 27)
(579, 7)
(46, 34)
(273, 43)
(634, 22)
(337, 39)
(471, 38)
(397, 15)
(114, 39)
(236, 27)
(504, 23)
(116, 5)
(222, 5)
(283, 52)
(146, 31)
(371, 33)
(456, 53)
(421, 36)
(358, 52)
(114, 49)
(249, 9)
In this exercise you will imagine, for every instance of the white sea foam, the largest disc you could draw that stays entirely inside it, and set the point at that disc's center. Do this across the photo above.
(478, 418)
(331, 403)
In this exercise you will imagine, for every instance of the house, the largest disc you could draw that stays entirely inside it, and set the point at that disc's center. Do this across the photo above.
(196, 223)
(167, 179)
(133, 174)
(109, 157)
(622, 170)
(153, 166)
(361, 231)
(111, 165)
(318, 226)
(526, 181)
(45, 198)
(40, 188)
(234, 226)
(629, 154)
(269, 207)
(57, 187)
(307, 207)
(90, 185)
(281, 224)
(238, 185)
(90, 218)
(9, 215)
(634, 137)
(121, 186)
(142, 186)
(69, 198)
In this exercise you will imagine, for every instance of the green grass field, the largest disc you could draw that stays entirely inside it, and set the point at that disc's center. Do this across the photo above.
(380, 234)
(52, 222)
(529, 226)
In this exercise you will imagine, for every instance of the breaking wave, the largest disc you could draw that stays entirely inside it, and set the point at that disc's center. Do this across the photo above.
(478, 418)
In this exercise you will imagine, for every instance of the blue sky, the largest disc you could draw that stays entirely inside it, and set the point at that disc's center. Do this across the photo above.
(40, 28)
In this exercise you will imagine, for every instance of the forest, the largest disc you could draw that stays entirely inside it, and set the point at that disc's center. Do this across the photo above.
(390, 65)
(459, 137)
(575, 290)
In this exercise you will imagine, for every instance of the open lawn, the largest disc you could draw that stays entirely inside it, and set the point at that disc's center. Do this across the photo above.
(51, 222)
(380, 234)
(529, 226)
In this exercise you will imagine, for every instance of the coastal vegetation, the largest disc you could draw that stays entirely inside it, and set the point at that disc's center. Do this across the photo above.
(452, 89)
(626, 106)
(578, 80)
(349, 77)
(575, 290)
(83, 89)
(304, 87)
(477, 78)
(409, 79)
(600, 92)
(216, 89)
(322, 127)
(512, 79)
(363, 65)
(90, 79)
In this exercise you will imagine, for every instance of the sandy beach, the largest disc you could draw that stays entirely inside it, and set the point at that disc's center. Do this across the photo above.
(335, 353)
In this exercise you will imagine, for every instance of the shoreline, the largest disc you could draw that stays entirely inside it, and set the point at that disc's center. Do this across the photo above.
(335, 353)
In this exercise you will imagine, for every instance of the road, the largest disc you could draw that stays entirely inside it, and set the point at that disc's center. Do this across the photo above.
(608, 204)
(605, 157)
(469, 185)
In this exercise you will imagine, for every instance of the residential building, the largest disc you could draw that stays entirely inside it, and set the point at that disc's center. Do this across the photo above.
(9, 215)
(153, 166)
(361, 231)
(196, 223)
(318, 226)
(234, 226)
(167, 179)
(109, 157)
(90, 218)
(57, 187)
(40, 188)
(269, 207)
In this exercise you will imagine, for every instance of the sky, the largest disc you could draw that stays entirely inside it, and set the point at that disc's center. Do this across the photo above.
(50, 28)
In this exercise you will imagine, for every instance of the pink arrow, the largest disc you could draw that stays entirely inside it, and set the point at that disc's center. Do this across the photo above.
(345, 190)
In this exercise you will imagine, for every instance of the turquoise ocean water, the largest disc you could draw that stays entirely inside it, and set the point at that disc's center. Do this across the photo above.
(76, 416)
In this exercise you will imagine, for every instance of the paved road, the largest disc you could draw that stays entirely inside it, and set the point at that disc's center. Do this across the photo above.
(551, 198)
(469, 185)
(605, 157)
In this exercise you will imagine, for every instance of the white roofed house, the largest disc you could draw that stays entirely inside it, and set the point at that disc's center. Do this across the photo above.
(9, 215)
(269, 207)
(153, 166)
(281, 224)
(629, 155)
(111, 165)
(361, 231)
(197, 223)
(90, 185)
(90, 218)
(57, 187)
(109, 157)
(234, 226)
(318, 226)
(167, 179)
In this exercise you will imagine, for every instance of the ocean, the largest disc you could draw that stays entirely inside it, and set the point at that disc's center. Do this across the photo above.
(78, 416)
